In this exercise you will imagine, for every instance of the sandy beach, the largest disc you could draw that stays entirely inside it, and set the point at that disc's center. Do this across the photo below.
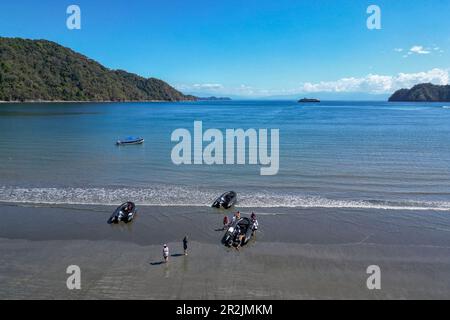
(298, 254)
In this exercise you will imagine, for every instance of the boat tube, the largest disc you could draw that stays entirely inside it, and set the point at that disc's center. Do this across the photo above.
(124, 213)
(130, 141)
(239, 233)
(226, 201)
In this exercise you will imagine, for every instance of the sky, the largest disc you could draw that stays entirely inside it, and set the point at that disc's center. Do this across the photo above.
(252, 48)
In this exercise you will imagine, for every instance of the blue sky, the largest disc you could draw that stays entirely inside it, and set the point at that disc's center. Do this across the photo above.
(251, 48)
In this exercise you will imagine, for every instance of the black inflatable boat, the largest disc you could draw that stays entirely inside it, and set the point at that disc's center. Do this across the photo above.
(226, 201)
(124, 213)
(239, 233)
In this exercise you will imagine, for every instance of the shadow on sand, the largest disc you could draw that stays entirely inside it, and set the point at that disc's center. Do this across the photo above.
(158, 263)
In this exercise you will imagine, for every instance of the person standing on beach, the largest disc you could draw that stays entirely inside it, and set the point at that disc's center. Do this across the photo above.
(225, 222)
(236, 217)
(185, 245)
(255, 223)
(166, 253)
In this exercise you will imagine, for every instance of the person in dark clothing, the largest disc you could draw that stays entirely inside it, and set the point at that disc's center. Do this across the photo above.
(226, 222)
(185, 245)
(255, 223)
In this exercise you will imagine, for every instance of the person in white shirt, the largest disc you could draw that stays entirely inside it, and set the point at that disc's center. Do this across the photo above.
(235, 218)
(166, 253)
(255, 223)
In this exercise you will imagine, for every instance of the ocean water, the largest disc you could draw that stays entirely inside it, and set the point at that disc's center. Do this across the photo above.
(335, 155)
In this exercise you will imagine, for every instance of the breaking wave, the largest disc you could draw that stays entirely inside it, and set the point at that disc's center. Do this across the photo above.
(186, 196)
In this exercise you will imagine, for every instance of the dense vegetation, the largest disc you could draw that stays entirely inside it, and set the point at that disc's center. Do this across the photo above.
(40, 70)
(423, 92)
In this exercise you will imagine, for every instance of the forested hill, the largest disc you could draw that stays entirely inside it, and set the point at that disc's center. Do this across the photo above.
(40, 70)
(425, 92)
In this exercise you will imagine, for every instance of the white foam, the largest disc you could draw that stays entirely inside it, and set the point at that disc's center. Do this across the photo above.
(187, 196)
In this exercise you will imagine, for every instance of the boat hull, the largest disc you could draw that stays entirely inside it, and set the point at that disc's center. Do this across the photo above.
(126, 143)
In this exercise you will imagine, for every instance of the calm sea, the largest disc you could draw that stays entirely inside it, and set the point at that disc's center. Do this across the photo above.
(336, 154)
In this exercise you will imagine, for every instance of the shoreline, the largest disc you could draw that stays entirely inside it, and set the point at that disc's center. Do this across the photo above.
(301, 254)
(65, 101)
(205, 100)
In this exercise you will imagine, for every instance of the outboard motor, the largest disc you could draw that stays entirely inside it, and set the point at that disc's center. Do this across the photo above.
(229, 237)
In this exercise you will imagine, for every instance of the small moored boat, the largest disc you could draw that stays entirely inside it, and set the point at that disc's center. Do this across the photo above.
(130, 140)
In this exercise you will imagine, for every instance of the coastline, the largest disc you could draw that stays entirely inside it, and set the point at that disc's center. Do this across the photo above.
(298, 254)
(91, 101)
(197, 100)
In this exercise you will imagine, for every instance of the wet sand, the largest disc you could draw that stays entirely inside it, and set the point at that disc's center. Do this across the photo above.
(298, 254)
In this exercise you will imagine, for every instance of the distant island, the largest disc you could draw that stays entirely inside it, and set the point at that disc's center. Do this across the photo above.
(425, 92)
(213, 98)
(306, 100)
(41, 70)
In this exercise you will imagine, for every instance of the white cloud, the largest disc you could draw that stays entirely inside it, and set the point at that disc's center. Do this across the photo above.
(371, 83)
(210, 86)
(378, 84)
(419, 50)
(200, 86)
(219, 89)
